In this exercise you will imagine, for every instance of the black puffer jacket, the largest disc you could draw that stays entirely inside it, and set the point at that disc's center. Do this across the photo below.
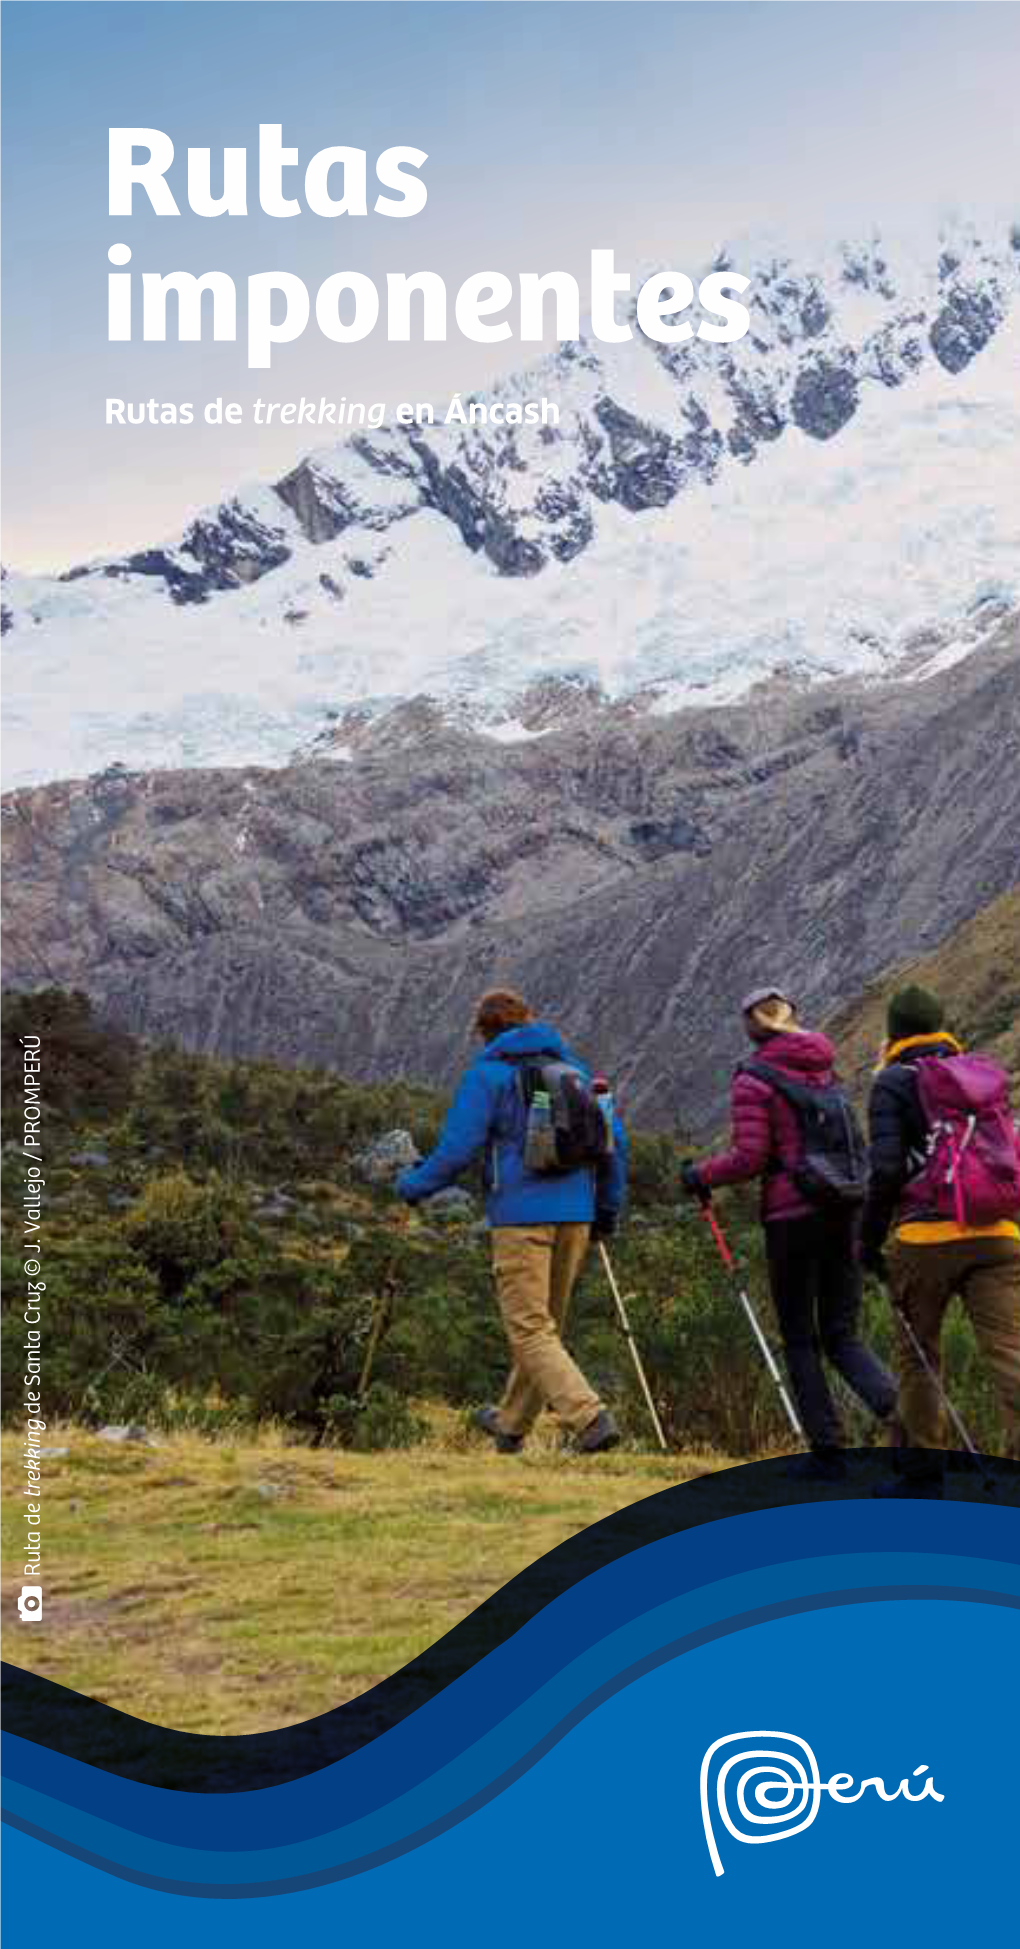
(897, 1132)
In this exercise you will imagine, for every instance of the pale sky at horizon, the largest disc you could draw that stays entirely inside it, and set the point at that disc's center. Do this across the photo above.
(660, 130)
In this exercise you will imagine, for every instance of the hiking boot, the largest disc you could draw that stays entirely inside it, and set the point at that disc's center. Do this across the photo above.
(487, 1419)
(600, 1434)
(821, 1465)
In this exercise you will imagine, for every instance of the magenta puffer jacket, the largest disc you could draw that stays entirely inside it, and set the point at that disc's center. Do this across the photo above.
(766, 1140)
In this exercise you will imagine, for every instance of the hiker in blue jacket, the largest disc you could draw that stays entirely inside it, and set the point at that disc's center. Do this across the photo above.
(541, 1224)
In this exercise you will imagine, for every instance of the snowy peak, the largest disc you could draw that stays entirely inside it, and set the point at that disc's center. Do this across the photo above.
(638, 422)
(700, 517)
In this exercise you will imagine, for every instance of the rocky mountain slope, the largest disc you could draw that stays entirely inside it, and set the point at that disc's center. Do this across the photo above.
(831, 495)
(977, 973)
(632, 872)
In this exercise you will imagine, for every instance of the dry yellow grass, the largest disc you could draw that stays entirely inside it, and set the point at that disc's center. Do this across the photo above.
(233, 1588)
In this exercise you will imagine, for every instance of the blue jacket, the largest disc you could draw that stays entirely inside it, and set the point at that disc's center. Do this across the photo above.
(488, 1110)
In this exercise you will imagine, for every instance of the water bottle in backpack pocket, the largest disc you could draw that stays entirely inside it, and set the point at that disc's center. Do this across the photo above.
(971, 1168)
(604, 1098)
(565, 1127)
(539, 1136)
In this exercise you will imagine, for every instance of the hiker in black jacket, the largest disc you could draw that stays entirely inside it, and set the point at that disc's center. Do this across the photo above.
(934, 1255)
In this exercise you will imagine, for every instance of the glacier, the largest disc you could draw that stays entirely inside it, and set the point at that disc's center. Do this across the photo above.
(834, 498)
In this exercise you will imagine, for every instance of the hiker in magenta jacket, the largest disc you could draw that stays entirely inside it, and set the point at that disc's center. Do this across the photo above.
(811, 1250)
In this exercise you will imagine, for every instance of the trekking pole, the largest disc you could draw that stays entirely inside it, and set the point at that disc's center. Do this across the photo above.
(382, 1312)
(935, 1377)
(635, 1356)
(380, 1315)
(770, 1360)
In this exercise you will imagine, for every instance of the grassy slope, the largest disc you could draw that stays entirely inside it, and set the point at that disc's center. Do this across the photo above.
(227, 1588)
(233, 1588)
(977, 973)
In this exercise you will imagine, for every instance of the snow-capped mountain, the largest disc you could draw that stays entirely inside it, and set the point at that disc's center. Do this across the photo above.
(832, 495)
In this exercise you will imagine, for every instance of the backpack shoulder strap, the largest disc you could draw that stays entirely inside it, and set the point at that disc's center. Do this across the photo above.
(796, 1094)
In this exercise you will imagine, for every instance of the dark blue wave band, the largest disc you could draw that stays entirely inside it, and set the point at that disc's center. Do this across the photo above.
(406, 1843)
(49, 1715)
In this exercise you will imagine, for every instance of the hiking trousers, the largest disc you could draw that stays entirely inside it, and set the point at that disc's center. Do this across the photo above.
(536, 1268)
(816, 1288)
(985, 1273)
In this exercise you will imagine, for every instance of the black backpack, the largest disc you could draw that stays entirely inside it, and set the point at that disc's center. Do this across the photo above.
(832, 1169)
(575, 1130)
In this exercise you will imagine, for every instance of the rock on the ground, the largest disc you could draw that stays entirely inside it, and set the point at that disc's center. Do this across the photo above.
(277, 1206)
(453, 1205)
(382, 1161)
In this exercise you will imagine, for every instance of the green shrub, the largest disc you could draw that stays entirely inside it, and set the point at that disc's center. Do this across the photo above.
(179, 1227)
(88, 1067)
(320, 1356)
(188, 1308)
(705, 1373)
(382, 1419)
(106, 1328)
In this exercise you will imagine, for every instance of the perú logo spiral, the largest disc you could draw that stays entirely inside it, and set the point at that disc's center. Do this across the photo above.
(769, 1792)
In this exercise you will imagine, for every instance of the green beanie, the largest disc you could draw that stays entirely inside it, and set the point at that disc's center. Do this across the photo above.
(914, 1011)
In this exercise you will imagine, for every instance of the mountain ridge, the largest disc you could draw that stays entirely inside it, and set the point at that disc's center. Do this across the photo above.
(632, 874)
(826, 496)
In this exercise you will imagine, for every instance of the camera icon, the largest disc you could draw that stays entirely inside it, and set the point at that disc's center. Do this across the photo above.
(30, 1603)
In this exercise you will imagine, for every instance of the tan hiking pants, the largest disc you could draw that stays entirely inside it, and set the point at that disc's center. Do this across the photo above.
(536, 1267)
(985, 1272)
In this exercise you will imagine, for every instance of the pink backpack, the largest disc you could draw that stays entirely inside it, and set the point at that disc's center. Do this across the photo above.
(972, 1169)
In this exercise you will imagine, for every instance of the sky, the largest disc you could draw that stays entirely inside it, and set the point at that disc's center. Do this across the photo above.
(552, 127)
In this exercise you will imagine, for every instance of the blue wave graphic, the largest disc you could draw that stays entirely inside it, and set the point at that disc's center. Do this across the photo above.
(85, 1729)
(495, 1722)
